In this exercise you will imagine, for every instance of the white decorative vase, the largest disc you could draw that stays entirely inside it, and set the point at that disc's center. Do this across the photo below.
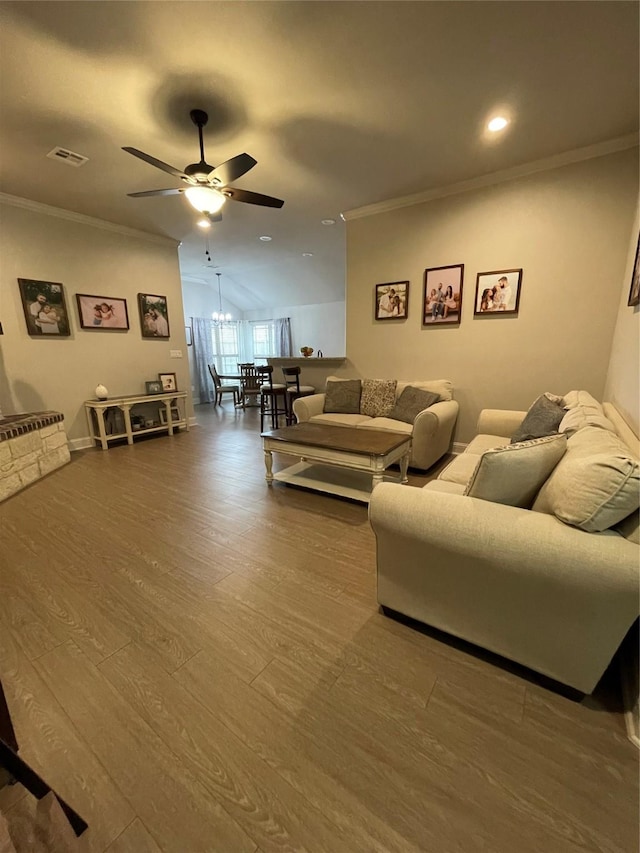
(101, 392)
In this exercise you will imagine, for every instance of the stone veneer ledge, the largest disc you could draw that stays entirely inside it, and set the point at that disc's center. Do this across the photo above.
(31, 446)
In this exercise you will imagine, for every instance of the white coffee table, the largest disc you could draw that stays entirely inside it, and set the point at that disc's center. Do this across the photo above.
(337, 460)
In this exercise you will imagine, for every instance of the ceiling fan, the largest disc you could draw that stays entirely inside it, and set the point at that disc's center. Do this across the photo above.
(208, 186)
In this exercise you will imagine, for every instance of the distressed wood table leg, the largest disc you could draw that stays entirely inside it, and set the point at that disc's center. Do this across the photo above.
(404, 464)
(268, 464)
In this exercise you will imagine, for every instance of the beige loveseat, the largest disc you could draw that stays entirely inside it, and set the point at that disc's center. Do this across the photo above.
(431, 431)
(518, 582)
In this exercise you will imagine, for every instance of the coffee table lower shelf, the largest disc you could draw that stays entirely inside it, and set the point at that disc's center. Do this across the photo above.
(345, 482)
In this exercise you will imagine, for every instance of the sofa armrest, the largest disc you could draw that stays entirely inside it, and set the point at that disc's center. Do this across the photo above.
(432, 431)
(305, 408)
(499, 422)
(519, 583)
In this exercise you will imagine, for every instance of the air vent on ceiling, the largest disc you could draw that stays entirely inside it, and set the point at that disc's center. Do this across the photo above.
(68, 157)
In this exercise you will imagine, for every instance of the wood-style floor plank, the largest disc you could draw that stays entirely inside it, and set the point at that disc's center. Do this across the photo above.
(197, 662)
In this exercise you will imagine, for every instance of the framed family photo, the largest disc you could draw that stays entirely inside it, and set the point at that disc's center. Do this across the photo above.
(45, 309)
(498, 292)
(102, 312)
(153, 387)
(634, 290)
(154, 315)
(168, 381)
(442, 296)
(392, 300)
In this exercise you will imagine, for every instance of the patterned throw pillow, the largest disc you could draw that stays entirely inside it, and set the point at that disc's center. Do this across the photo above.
(343, 396)
(543, 418)
(378, 397)
(411, 402)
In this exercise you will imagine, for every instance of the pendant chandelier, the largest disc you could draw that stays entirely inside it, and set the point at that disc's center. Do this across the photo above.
(219, 316)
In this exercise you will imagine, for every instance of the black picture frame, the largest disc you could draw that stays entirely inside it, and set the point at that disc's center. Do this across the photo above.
(392, 300)
(41, 300)
(490, 299)
(634, 289)
(154, 316)
(442, 296)
(104, 313)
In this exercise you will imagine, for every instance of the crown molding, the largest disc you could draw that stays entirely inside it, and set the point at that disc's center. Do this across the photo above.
(83, 219)
(601, 149)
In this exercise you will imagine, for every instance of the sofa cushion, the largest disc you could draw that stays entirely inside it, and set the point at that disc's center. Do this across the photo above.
(442, 486)
(482, 442)
(543, 418)
(584, 415)
(378, 397)
(460, 469)
(513, 475)
(592, 492)
(386, 424)
(411, 402)
(343, 396)
(442, 387)
(334, 419)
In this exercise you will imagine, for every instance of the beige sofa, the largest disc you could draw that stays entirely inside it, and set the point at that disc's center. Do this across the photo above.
(518, 582)
(431, 432)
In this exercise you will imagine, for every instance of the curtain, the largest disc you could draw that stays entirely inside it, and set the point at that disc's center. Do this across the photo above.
(203, 357)
(283, 337)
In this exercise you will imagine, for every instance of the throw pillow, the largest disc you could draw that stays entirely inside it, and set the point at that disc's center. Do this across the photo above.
(543, 418)
(594, 492)
(378, 397)
(513, 475)
(411, 402)
(343, 397)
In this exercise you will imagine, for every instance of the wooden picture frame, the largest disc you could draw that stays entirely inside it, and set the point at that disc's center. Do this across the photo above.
(153, 387)
(102, 312)
(45, 308)
(169, 381)
(634, 289)
(442, 295)
(154, 316)
(392, 300)
(497, 293)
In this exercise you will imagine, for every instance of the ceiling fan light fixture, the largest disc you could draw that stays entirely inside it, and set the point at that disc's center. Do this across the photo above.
(205, 199)
(203, 223)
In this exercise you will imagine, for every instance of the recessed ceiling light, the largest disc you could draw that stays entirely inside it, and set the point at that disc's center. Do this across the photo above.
(328, 221)
(307, 254)
(497, 123)
(203, 223)
(265, 238)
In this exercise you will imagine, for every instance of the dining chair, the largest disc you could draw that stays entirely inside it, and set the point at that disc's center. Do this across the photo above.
(294, 390)
(223, 387)
(273, 398)
(250, 384)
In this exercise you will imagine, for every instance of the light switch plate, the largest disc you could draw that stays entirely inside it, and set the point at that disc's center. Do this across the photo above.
(175, 353)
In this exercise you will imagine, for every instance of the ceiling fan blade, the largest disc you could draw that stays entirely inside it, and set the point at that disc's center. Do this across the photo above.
(214, 217)
(232, 169)
(252, 198)
(170, 170)
(149, 193)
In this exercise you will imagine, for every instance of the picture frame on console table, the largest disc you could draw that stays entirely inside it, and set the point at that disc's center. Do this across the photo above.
(498, 293)
(169, 381)
(153, 387)
(102, 312)
(392, 300)
(154, 315)
(634, 290)
(45, 309)
(442, 296)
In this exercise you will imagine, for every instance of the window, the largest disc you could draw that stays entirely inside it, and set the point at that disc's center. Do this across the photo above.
(226, 347)
(263, 339)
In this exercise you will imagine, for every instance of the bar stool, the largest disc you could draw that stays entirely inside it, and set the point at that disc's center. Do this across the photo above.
(273, 397)
(294, 390)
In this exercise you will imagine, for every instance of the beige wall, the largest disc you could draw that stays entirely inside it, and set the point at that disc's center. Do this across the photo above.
(623, 379)
(567, 228)
(43, 373)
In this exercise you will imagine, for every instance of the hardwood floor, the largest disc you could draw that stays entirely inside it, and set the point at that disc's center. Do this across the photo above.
(196, 662)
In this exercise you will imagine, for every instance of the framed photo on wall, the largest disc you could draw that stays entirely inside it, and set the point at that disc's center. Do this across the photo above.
(442, 295)
(634, 290)
(154, 315)
(45, 309)
(392, 300)
(498, 292)
(102, 312)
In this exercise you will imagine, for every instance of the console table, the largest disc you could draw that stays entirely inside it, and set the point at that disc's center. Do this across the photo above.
(174, 412)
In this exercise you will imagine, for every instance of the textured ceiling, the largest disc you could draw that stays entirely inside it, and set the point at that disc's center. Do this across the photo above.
(342, 104)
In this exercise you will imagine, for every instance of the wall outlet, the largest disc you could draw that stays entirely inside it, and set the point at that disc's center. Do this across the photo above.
(175, 353)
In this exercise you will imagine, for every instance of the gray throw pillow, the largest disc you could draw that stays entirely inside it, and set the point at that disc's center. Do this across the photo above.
(411, 402)
(343, 397)
(543, 418)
